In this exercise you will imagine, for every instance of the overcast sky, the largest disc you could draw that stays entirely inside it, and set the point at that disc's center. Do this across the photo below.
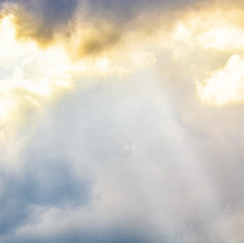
(121, 121)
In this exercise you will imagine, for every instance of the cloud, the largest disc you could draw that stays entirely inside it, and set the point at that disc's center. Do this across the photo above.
(80, 46)
(107, 21)
(224, 86)
(123, 138)
(41, 19)
(40, 184)
(121, 158)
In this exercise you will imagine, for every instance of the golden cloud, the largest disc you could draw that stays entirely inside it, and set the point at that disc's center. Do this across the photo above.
(40, 66)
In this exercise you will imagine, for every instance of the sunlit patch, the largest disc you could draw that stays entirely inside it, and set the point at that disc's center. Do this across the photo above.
(32, 75)
(224, 86)
(26, 71)
(8, 45)
(198, 34)
(5, 107)
(223, 37)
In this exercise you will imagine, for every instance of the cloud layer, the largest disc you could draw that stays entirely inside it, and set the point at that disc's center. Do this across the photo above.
(121, 121)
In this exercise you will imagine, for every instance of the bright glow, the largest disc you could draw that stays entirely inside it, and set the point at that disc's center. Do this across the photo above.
(223, 37)
(8, 46)
(224, 85)
(26, 71)
(207, 31)
(30, 75)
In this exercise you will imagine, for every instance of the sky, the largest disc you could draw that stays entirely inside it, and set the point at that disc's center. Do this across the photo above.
(121, 121)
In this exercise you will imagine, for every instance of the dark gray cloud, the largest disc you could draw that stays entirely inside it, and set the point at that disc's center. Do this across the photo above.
(42, 20)
(126, 10)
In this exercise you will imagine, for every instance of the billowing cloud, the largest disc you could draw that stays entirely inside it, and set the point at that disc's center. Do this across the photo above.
(225, 85)
(75, 46)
